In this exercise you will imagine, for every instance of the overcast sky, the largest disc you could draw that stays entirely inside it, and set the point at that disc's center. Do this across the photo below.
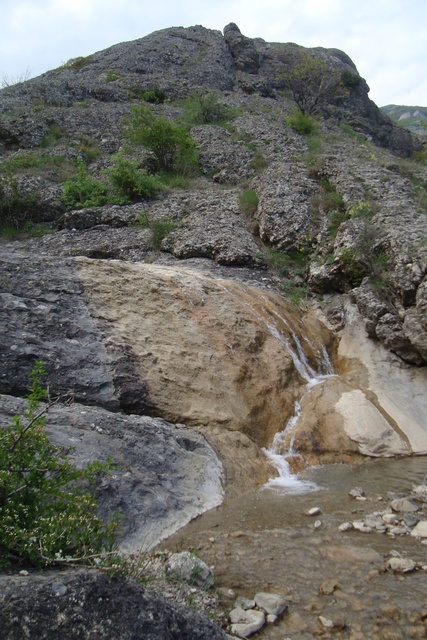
(386, 39)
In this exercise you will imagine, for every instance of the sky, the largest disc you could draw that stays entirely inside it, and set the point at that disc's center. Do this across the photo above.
(386, 39)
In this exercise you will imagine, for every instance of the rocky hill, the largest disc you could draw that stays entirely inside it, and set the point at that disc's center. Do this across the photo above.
(412, 118)
(186, 296)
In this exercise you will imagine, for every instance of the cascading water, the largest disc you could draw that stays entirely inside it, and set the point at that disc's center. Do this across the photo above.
(286, 480)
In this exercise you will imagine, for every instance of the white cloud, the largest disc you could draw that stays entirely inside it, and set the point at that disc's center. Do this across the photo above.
(385, 38)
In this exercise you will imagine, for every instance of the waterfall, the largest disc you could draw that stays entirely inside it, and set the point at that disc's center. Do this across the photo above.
(286, 480)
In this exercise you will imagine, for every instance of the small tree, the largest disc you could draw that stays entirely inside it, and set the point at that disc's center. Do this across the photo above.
(172, 144)
(312, 83)
(45, 514)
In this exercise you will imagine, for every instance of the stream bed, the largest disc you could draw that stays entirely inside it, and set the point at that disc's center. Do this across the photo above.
(265, 541)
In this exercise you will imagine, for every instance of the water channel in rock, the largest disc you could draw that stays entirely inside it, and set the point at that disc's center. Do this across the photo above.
(265, 541)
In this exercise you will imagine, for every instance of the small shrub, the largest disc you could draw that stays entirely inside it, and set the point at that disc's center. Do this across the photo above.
(159, 230)
(302, 123)
(45, 515)
(82, 191)
(362, 210)
(249, 201)
(112, 76)
(258, 162)
(55, 133)
(17, 205)
(205, 108)
(171, 143)
(153, 96)
(350, 79)
(89, 150)
(78, 63)
(132, 183)
(336, 218)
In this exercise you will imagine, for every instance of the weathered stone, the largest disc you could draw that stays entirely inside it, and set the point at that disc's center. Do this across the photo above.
(420, 529)
(110, 608)
(404, 505)
(187, 566)
(246, 623)
(402, 565)
(271, 603)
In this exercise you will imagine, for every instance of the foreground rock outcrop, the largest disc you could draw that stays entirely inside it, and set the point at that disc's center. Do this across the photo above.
(87, 604)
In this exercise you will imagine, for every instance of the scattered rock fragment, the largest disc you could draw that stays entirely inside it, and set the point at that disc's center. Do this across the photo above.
(188, 567)
(271, 603)
(404, 505)
(420, 529)
(402, 565)
(314, 511)
(357, 492)
(245, 623)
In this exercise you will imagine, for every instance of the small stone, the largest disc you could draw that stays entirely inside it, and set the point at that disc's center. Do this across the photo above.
(359, 525)
(402, 565)
(328, 586)
(271, 619)
(326, 622)
(23, 573)
(245, 623)
(314, 511)
(404, 505)
(357, 492)
(420, 529)
(410, 520)
(59, 589)
(398, 531)
(390, 518)
(317, 524)
(346, 526)
(271, 603)
(244, 603)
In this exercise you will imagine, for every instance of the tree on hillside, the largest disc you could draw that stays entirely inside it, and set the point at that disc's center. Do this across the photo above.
(312, 83)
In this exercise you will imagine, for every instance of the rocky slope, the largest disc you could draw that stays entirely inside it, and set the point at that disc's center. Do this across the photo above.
(184, 354)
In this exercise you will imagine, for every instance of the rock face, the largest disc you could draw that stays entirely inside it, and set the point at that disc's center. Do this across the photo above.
(83, 604)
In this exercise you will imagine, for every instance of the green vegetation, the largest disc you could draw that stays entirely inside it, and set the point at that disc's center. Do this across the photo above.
(18, 206)
(302, 123)
(55, 133)
(312, 83)
(172, 144)
(249, 201)
(258, 162)
(155, 95)
(30, 161)
(205, 108)
(82, 190)
(78, 63)
(130, 182)
(45, 514)
(112, 76)
(159, 228)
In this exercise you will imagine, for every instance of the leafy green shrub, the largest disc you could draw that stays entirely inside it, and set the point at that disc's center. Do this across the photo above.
(258, 162)
(132, 183)
(17, 206)
(78, 63)
(249, 201)
(205, 108)
(336, 218)
(82, 191)
(89, 150)
(152, 96)
(171, 143)
(350, 79)
(362, 210)
(54, 134)
(45, 514)
(159, 230)
(112, 76)
(302, 123)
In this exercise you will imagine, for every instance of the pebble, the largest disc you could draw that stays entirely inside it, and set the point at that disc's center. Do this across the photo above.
(357, 492)
(359, 525)
(271, 603)
(317, 524)
(402, 565)
(420, 529)
(346, 526)
(314, 511)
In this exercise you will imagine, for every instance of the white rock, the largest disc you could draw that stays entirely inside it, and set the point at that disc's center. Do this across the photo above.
(404, 505)
(317, 524)
(390, 518)
(271, 603)
(346, 526)
(245, 623)
(326, 622)
(271, 619)
(359, 525)
(314, 511)
(420, 529)
(402, 565)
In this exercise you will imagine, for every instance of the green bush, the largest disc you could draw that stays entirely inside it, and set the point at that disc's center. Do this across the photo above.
(249, 201)
(45, 515)
(159, 230)
(18, 207)
(171, 143)
(302, 123)
(130, 182)
(82, 191)
(205, 108)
